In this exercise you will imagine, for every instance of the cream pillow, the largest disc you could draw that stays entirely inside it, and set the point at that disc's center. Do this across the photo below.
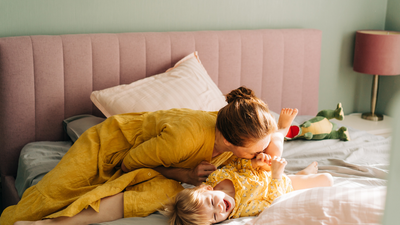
(186, 85)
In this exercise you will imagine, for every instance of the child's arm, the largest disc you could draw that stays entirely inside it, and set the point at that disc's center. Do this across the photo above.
(277, 185)
(278, 165)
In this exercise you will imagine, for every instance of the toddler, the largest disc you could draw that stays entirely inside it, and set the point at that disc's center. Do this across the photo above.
(241, 188)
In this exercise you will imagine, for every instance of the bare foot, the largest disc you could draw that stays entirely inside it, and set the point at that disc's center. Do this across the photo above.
(310, 169)
(286, 117)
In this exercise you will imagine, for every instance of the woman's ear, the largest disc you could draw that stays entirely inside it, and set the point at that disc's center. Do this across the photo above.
(219, 134)
(227, 143)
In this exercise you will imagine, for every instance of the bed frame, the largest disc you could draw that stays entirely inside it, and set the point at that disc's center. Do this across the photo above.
(45, 79)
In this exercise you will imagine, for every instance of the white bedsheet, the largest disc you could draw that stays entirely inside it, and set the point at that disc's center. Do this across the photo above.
(359, 167)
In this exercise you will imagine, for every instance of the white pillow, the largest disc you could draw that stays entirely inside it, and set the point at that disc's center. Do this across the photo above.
(186, 85)
(329, 205)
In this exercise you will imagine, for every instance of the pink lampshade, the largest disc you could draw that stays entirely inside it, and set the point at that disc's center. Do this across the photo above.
(377, 52)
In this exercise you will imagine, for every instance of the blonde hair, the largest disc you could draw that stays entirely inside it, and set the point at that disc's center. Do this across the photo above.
(246, 118)
(185, 208)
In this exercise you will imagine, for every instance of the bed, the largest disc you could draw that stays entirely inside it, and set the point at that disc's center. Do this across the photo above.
(46, 83)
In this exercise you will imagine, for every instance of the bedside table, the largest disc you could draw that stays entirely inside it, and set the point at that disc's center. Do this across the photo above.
(354, 120)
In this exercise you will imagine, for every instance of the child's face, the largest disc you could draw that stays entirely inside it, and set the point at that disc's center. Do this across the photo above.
(252, 149)
(217, 205)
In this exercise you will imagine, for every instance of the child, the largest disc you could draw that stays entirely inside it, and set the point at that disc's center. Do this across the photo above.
(241, 188)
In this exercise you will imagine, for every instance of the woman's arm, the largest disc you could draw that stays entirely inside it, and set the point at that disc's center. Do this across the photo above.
(194, 176)
(166, 147)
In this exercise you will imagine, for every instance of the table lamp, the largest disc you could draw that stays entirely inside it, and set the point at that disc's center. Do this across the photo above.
(377, 53)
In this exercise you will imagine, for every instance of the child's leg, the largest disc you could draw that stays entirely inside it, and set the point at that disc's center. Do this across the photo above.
(275, 148)
(111, 208)
(310, 181)
(286, 118)
(310, 169)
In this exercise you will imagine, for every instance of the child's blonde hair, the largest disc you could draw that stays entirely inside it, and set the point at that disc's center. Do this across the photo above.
(185, 208)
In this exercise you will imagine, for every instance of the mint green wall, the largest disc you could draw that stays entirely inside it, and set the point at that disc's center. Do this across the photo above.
(391, 214)
(338, 19)
(390, 99)
(389, 85)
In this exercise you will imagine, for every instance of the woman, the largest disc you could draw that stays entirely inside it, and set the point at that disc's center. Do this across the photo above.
(110, 163)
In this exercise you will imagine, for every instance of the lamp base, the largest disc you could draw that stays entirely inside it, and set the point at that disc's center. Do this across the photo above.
(372, 116)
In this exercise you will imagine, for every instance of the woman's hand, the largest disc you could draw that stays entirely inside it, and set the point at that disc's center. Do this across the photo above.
(123, 167)
(194, 176)
(277, 167)
(200, 173)
(263, 161)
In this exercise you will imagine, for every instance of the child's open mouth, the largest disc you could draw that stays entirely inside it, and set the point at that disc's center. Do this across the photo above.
(227, 205)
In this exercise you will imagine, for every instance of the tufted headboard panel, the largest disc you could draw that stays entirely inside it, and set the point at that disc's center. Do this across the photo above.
(45, 79)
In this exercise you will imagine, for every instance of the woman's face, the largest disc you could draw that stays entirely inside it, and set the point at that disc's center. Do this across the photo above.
(252, 149)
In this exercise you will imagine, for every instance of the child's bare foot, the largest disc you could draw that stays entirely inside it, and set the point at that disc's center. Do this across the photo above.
(310, 169)
(286, 117)
(285, 120)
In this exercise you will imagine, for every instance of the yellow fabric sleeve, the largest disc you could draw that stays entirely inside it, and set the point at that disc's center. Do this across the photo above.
(168, 148)
(182, 138)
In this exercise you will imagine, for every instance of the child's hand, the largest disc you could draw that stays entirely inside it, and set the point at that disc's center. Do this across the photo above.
(262, 160)
(277, 167)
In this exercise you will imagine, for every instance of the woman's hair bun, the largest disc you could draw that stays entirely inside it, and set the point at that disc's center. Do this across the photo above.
(241, 93)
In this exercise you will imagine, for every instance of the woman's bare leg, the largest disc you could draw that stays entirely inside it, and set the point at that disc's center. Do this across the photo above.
(310, 181)
(111, 208)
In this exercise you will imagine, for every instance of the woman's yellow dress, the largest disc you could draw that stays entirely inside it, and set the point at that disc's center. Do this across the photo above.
(90, 170)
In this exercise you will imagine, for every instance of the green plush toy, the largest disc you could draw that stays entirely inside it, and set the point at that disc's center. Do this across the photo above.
(320, 127)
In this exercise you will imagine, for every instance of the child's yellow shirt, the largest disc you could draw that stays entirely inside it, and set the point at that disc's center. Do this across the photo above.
(255, 190)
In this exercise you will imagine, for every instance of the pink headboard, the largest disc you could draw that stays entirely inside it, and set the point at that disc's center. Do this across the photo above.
(45, 79)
